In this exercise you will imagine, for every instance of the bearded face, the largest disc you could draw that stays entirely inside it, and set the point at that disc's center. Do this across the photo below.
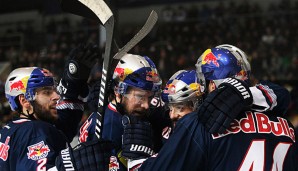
(137, 101)
(45, 104)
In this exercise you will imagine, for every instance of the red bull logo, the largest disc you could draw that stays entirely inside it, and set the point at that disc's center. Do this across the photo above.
(152, 76)
(122, 72)
(114, 164)
(38, 151)
(209, 57)
(18, 85)
(170, 89)
(242, 75)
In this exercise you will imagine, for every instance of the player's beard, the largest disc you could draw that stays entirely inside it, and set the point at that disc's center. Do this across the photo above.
(134, 110)
(43, 113)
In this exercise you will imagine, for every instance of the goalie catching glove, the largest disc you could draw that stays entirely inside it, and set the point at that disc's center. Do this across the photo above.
(88, 156)
(224, 104)
(73, 84)
(137, 139)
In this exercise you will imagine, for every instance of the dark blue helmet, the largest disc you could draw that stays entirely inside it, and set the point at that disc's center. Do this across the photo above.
(222, 62)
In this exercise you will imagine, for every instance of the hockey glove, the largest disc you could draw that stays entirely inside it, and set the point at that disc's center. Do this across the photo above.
(137, 139)
(73, 84)
(223, 105)
(88, 156)
(93, 96)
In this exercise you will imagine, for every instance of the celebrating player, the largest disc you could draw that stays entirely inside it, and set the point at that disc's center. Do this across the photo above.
(135, 83)
(31, 141)
(181, 94)
(254, 140)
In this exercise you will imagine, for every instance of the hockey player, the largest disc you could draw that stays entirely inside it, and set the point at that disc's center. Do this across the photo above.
(181, 94)
(32, 142)
(135, 82)
(254, 141)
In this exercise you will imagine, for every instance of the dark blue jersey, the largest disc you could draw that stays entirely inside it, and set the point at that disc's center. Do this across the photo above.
(29, 145)
(112, 130)
(70, 114)
(254, 142)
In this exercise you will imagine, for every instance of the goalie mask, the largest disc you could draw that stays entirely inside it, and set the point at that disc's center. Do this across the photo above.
(222, 62)
(136, 71)
(182, 87)
(25, 81)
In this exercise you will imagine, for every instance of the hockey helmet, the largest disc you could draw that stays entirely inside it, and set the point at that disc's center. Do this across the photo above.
(183, 86)
(222, 62)
(136, 71)
(25, 81)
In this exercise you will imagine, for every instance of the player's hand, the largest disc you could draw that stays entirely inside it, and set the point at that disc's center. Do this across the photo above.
(93, 96)
(92, 155)
(137, 140)
(73, 84)
(223, 105)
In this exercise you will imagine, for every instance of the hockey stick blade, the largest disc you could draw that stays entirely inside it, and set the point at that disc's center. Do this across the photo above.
(99, 8)
(151, 21)
(77, 8)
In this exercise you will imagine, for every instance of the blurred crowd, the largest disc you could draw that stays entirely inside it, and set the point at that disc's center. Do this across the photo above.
(268, 36)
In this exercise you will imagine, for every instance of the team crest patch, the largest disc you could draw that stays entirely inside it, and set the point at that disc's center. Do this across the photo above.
(114, 164)
(38, 151)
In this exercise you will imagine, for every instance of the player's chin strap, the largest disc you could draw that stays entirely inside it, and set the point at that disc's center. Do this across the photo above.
(29, 115)
(119, 106)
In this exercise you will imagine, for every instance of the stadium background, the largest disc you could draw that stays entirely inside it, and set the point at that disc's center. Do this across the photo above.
(38, 33)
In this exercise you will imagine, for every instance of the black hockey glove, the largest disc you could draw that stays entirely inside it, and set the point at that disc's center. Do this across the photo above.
(88, 156)
(73, 84)
(223, 105)
(137, 139)
(93, 96)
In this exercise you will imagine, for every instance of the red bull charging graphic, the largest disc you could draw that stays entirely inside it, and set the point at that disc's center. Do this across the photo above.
(38, 151)
(208, 58)
(122, 72)
(170, 89)
(20, 85)
(152, 76)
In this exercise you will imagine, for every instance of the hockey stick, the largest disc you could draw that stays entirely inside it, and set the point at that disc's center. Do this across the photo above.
(104, 13)
(151, 21)
(90, 9)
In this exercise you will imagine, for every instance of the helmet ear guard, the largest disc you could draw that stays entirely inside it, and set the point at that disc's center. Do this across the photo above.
(121, 88)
